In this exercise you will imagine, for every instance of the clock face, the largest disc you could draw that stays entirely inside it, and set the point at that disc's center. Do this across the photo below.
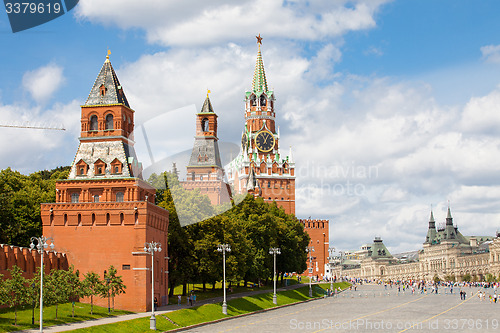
(244, 141)
(264, 141)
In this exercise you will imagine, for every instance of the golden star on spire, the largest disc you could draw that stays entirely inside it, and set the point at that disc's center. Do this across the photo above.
(259, 39)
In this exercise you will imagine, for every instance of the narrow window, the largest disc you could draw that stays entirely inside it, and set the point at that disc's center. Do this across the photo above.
(204, 125)
(192, 176)
(253, 100)
(262, 100)
(81, 171)
(96, 198)
(109, 122)
(119, 196)
(93, 123)
(75, 197)
(117, 169)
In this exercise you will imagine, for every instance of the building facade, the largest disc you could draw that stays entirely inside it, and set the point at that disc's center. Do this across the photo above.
(318, 231)
(204, 171)
(273, 176)
(446, 254)
(105, 212)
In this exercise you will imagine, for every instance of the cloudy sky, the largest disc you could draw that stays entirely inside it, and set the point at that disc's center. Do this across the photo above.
(390, 106)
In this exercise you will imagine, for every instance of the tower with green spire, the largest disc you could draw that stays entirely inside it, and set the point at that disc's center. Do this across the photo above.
(273, 171)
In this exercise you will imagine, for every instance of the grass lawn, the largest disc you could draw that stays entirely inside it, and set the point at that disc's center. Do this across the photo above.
(82, 312)
(209, 293)
(210, 312)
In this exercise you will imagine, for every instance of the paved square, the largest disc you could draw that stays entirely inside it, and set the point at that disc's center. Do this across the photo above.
(372, 308)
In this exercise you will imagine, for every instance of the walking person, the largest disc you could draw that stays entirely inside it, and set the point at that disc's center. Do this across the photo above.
(179, 299)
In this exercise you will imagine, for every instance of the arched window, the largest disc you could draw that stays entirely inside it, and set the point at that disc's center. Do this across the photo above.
(263, 100)
(119, 196)
(96, 198)
(204, 124)
(93, 123)
(109, 122)
(253, 100)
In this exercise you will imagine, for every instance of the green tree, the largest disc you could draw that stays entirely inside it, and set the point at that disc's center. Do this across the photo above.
(56, 288)
(76, 288)
(93, 287)
(114, 284)
(20, 199)
(466, 277)
(16, 290)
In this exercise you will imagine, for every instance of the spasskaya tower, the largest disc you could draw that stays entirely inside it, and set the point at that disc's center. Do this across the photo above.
(260, 168)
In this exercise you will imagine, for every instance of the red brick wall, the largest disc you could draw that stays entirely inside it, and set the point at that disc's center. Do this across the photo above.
(93, 244)
(28, 260)
(318, 231)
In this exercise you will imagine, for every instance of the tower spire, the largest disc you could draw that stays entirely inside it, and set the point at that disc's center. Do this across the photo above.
(431, 233)
(259, 83)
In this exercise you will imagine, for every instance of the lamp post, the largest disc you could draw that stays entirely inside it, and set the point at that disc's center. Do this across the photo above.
(41, 246)
(310, 250)
(151, 248)
(107, 284)
(224, 248)
(331, 250)
(33, 312)
(274, 251)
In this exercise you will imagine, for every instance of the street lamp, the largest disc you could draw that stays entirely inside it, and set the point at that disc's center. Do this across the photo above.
(151, 248)
(331, 250)
(107, 284)
(224, 248)
(41, 246)
(310, 250)
(33, 312)
(274, 251)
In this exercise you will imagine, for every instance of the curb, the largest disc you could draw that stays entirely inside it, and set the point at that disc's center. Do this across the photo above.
(180, 329)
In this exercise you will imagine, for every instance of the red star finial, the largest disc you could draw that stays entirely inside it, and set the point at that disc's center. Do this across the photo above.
(259, 39)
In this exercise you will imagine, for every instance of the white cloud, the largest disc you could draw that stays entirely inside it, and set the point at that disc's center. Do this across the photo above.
(42, 82)
(35, 149)
(491, 53)
(208, 22)
(482, 114)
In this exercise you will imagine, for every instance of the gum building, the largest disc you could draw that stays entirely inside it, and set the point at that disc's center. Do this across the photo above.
(105, 212)
(446, 254)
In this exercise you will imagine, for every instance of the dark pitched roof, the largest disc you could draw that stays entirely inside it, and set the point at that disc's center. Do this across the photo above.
(207, 106)
(205, 153)
(107, 88)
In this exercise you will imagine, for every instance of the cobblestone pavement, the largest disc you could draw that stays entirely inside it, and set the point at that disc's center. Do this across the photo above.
(372, 308)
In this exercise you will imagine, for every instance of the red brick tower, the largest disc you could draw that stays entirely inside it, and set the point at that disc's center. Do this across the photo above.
(260, 150)
(104, 211)
(204, 171)
(318, 231)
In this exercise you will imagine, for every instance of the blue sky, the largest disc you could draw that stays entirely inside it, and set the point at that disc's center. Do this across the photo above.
(409, 88)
